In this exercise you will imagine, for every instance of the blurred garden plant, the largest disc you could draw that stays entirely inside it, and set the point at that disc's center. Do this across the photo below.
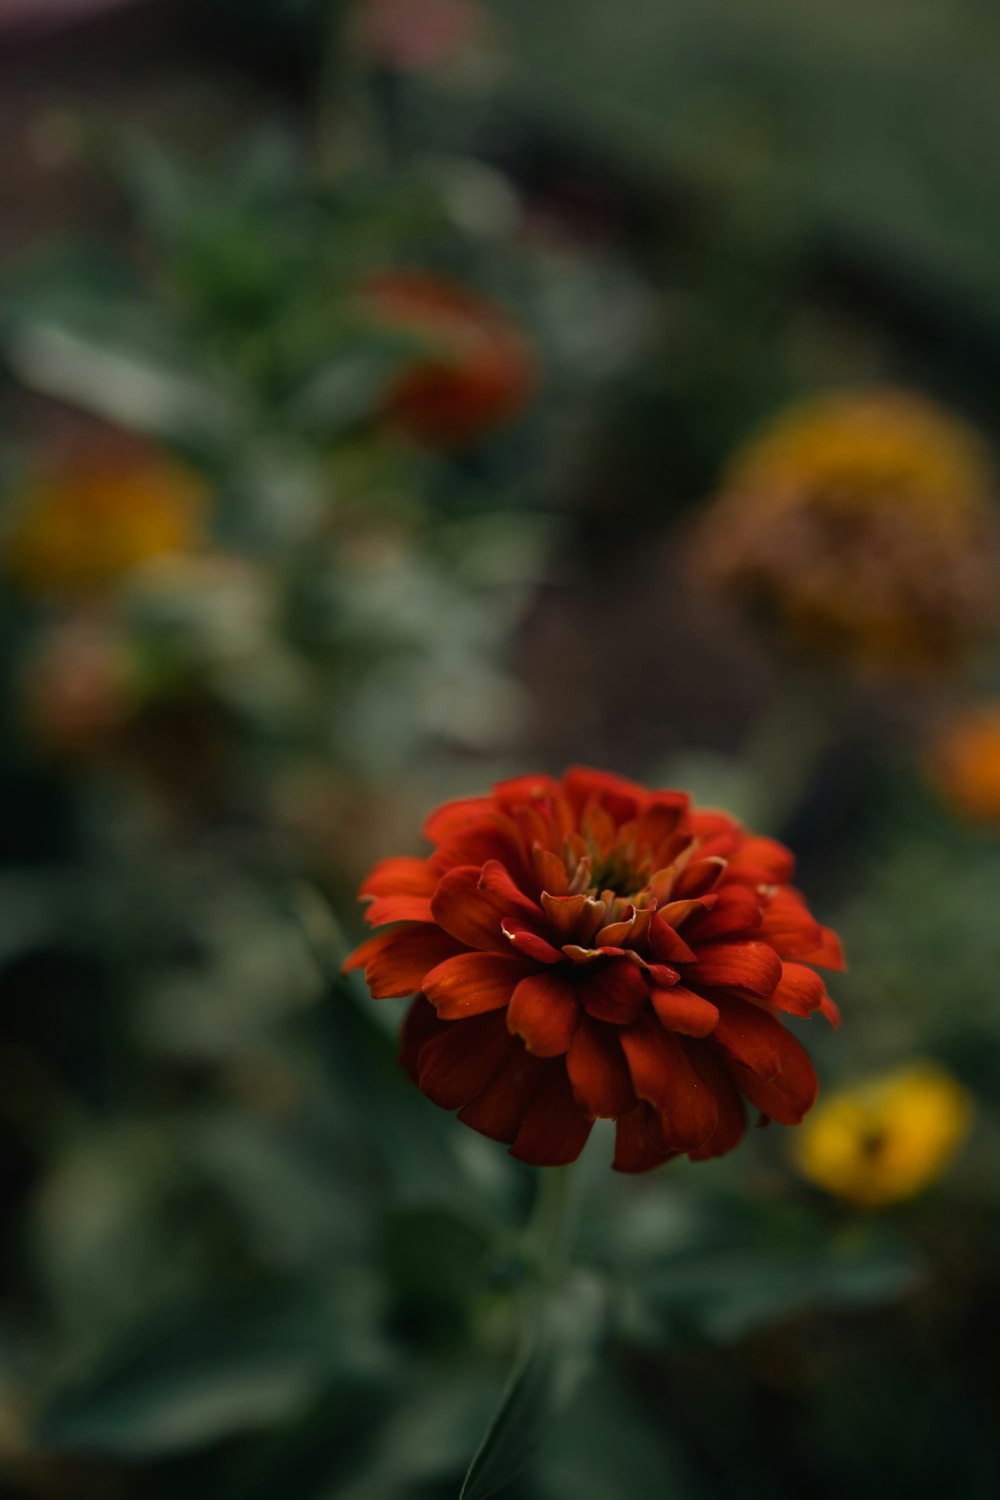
(583, 949)
(251, 1258)
(329, 575)
(859, 528)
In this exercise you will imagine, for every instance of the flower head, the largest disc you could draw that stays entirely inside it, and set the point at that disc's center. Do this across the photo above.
(478, 369)
(856, 525)
(586, 948)
(964, 764)
(416, 35)
(77, 686)
(887, 1139)
(100, 511)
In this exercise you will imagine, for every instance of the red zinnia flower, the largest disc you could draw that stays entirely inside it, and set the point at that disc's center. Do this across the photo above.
(586, 948)
(478, 370)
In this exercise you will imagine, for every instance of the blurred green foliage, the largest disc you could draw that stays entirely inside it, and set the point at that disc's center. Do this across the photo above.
(245, 1257)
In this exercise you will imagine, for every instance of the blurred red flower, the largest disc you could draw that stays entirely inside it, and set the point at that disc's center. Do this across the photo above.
(586, 948)
(478, 369)
(414, 35)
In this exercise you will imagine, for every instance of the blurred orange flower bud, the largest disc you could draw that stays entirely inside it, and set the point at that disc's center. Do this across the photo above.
(76, 687)
(478, 370)
(964, 764)
(413, 35)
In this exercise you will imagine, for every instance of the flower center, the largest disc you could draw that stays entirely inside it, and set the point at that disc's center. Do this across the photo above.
(614, 872)
(873, 1143)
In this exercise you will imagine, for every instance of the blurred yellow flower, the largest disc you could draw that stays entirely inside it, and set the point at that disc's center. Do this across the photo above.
(887, 1139)
(860, 525)
(101, 510)
(964, 764)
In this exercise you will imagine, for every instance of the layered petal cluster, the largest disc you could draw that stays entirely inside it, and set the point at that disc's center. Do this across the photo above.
(585, 948)
(860, 526)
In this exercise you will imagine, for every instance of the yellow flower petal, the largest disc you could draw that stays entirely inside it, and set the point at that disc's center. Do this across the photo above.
(888, 1138)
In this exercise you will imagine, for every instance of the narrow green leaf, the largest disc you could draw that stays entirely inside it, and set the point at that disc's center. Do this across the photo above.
(561, 1338)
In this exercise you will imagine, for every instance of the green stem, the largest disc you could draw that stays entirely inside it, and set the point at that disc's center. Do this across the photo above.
(552, 1226)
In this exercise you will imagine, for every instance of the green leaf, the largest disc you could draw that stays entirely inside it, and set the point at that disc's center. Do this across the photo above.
(190, 1379)
(127, 383)
(613, 1445)
(560, 1343)
(747, 103)
(426, 1437)
(516, 1429)
(723, 1295)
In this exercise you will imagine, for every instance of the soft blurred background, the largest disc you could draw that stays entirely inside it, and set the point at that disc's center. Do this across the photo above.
(400, 394)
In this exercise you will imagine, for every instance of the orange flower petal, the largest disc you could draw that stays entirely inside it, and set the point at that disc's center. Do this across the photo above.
(732, 1114)
(752, 1038)
(789, 926)
(690, 1117)
(456, 1065)
(454, 816)
(598, 1072)
(634, 1148)
(789, 1095)
(829, 954)
(698, 878)
(753, 967)
(614, 992)
(395, 962)
(553, 1131)
(401, 907)
(420, 1025)
(831, 1011)
(520, 789)
(472, 983)
(565, 912)
(660, 818)
(678, 913)
(498, 1110)
(492, 836)
(667, 945)
(680, 1009)
(662, 1075)
(800, 991)
(736, 913)
(463, 911)
(550, 870)
(403, 876)
(706, 822)
(544, 1011)
(508, 898)
(530, 943)
(617, 796)
(761, 860)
